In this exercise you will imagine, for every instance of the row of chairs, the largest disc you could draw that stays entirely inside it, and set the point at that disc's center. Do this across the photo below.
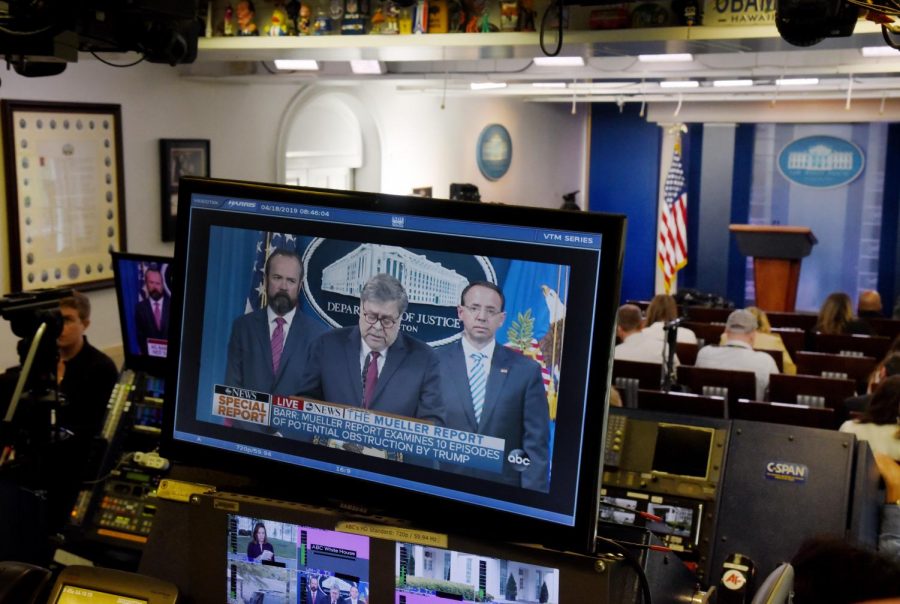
(795, 340)
(732, 386)
(718, 407)
(881, 326)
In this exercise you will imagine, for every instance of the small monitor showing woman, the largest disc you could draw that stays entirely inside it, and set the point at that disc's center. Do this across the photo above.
(259, 549)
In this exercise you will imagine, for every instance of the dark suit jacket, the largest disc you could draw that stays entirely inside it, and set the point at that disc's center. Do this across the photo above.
(146, 324)
(250, 353)
(515, 409)
(321, 597)
(409, 383)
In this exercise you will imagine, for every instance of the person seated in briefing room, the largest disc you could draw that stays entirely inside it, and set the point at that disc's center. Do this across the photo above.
(836, 317)
(869, 304)
(857, 404)
(259, 549)
(372, 364)
(492, 390)
(766, 340)
(268, 347)
(86, 376)
(738, 354)
(661, 310)
(636, 345)
(151, 315)
(878, 422)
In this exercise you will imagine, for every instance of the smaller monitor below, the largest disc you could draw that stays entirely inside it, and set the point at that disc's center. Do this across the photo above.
(679, 521)
(92, 585)
(270, 560)
(431, 575)
(143, 292)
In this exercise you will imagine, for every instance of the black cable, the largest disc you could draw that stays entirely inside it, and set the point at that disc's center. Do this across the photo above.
(634, 563)
(559, 39)
(111, 64)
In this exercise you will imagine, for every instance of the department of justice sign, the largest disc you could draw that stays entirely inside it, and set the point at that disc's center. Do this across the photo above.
(821, 162)
(336, 270)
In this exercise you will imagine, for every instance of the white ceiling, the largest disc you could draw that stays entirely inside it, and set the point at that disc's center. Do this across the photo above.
(450, 64)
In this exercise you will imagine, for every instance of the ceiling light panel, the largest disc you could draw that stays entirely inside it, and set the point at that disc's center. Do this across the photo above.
(559, 61)
(732, 83)
(668, 58)
(797, 82)
(367, 67)
(487, 85)
(679, 84)
(297, 64)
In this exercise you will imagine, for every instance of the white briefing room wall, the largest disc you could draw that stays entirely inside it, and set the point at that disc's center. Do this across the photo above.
(421, 145)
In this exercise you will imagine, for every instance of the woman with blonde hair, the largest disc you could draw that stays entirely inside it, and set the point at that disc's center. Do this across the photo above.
(766, 340)
(661, 310)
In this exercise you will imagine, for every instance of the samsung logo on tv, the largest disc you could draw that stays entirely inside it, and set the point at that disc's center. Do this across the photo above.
(821, 162)
(787, 471)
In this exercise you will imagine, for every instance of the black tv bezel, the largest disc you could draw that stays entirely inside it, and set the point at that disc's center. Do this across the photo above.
(423, 510)
(151, 365)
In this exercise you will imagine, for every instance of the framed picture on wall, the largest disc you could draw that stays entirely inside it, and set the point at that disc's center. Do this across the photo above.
(178, 157)
(65, 193)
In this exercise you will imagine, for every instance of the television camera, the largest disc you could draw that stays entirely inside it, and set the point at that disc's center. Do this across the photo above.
(39, 37)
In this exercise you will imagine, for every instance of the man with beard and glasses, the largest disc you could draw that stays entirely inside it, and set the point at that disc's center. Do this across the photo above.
(151, 315)
(268, 347)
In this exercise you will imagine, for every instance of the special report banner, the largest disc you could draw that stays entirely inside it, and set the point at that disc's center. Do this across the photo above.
(309, 421)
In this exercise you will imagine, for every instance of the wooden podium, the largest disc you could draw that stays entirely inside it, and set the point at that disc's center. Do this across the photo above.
(777, 252)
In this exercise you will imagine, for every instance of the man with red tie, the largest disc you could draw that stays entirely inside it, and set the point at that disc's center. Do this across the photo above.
(152, 313)
(268, 347)
(374, 364)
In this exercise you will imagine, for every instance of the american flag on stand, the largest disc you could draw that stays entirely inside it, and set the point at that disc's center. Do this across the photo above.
(672, 246)
(265, 244)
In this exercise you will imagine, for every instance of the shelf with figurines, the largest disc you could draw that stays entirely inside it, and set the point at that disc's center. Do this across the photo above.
(238, 29)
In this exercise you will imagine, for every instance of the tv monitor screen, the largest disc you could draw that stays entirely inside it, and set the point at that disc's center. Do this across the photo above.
(432, 575)
(442, 362)
(290, 563)
(144, 294)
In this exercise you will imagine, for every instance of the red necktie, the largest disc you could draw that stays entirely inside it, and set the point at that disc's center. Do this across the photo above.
(371, 379)
(277, 343)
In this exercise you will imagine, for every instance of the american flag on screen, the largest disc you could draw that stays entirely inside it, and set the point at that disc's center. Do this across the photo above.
(672, 246)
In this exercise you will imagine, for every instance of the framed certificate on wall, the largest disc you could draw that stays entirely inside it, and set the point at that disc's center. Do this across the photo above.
(65, 193)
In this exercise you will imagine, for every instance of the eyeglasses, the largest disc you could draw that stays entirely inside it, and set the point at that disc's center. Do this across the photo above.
(386, 321)
(489, 311)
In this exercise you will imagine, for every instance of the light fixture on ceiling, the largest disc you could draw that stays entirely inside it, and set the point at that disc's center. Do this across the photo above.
(731, 83)
(549, 84)
(487, 85)
(297, 64)
(797, 81)
(879, 51)
(605, 85)
(559, 61)
(674, 57)
(367, 67)
(679, 84)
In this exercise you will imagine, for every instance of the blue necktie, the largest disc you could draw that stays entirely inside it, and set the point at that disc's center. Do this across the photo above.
(477, 383)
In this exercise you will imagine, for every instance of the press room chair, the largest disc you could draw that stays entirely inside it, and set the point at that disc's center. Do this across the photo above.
(836, 366)
(784, 413)
(683, 402)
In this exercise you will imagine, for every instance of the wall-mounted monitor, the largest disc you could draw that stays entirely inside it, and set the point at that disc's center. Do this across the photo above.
(441, 362)
(144, 295)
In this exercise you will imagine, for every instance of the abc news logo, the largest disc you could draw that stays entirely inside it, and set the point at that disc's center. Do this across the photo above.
(519, 460)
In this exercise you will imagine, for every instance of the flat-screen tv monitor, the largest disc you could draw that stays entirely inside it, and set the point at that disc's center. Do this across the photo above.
(493, 325)
(144, 294)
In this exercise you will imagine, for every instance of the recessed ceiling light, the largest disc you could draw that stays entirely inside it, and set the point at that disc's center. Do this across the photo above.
(679, 84)
(669, 58)
(549, 84)
(731, 83)
(797, 82)
(879, 51)
(606, 85)
(367, 67)
(487, 85)
(297, 64)
(559, 61)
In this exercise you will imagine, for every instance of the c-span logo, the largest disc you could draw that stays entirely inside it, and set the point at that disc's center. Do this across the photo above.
(822, 162)
(787, 471)
(336, 270)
